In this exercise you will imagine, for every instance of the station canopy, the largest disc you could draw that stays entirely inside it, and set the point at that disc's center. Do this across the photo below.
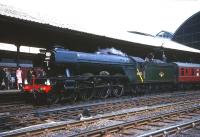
(20, 28)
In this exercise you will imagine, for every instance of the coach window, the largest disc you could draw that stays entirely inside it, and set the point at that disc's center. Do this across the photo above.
(186, 71)
(182, 71)
(192, 72)
(197, 72)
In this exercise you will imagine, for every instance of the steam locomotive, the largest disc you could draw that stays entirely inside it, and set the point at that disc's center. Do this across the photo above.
(108, 72)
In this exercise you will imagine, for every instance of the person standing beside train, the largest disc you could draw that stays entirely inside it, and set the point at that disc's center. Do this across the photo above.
(7, 78)
(13, 78)
(41, 73)
(19, 77)
(2, 78)
(31, 75)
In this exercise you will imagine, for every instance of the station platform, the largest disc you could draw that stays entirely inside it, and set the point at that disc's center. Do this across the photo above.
(11, 91)
(12, 95)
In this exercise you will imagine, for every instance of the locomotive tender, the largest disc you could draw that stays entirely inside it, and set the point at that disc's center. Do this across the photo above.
(72, 74)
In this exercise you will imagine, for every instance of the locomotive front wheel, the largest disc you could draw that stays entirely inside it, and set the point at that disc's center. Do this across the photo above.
(118, 91)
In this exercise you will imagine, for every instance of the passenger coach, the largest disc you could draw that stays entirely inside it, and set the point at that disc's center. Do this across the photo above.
(188, 75)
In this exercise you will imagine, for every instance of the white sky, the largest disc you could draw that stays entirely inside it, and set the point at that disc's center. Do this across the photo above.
(112, 16)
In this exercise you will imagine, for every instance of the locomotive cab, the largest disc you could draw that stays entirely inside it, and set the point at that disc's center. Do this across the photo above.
(156, 75)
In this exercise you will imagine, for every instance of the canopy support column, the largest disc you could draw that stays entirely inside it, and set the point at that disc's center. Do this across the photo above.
(18, 54)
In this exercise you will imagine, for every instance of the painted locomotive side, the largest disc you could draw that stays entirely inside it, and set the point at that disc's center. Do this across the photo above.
(160, 73)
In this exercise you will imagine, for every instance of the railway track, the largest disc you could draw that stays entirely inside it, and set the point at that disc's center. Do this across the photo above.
(161, 124)
(188, 131)
(18, 105)
(153, 99)
(16, 121)
(177, 128)
(126, 122)
(15, 107)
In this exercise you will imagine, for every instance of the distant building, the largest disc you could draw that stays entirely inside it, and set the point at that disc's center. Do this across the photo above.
(165, 34)
(189, 32)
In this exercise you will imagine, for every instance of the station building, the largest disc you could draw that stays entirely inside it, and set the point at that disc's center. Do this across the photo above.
(189, 32)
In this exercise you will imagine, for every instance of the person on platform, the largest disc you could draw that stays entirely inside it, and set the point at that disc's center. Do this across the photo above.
(7, 78)
(30, 75)
(13, 78)
(19, 77)
(41, 73)
(2, 78)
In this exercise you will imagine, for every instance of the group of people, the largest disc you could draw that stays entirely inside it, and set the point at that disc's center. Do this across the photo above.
(7, 78)
(14, 79)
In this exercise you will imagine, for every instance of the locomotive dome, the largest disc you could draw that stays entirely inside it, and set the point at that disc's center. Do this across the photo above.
(111, 51)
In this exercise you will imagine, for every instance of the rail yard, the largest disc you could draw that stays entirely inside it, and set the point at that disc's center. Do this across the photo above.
(149, 115)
